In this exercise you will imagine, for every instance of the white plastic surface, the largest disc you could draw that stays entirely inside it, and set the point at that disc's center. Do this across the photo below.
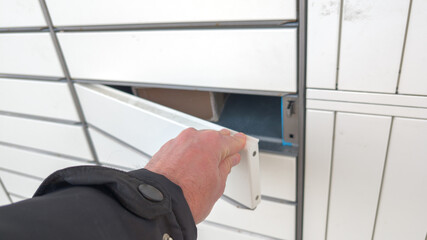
(371, 98)
(21, 13)
(402, 209)
(29, 54)
(359, 154)
(278, 176)
(49, 136)
(322, 42)
(319, 146)
(269, 218)
(40, 98)
(248, 59)
(32, 163)
(206, 231)
(147, 126)
(376, 109)
(98, 12)
(4, 199)
(372, 39)
(17, 184)
(413, 79)
(112, 152)
(16, 199)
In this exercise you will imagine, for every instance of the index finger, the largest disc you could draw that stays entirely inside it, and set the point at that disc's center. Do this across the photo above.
(231, 145)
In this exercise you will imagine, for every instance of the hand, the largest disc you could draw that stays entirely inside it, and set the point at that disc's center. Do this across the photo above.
(199, 162)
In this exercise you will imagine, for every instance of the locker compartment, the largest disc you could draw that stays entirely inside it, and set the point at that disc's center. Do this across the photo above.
(29, 54)
(244, 59)
(278, 176)
(322, 42)
(413, 78)
(372, 38)
(49, 136)
(147, 126)
(39, 98)
(107, 12)
(269, 218)
(112, 152)
(33, 163)
(19, 185)
(402, 207)
(21, 13)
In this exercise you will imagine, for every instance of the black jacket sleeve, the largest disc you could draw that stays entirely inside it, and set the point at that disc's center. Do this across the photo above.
(100, 203)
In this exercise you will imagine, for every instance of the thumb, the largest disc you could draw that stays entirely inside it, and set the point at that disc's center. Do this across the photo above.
(226, 165)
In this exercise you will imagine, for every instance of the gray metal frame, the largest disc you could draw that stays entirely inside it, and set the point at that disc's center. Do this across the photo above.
(302, 63)
(69, 81)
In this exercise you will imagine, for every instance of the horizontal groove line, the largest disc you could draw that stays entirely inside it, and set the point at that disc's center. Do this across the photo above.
(361, 112)
(23, 29)
(183, 25)
(45, 152)
(40, 118)
(21, 174)
(278, 200)
(359, 91)
(239, 230)
(184, 87)
(117, 140)
(366, 103)
(31, 77)
(261, 24)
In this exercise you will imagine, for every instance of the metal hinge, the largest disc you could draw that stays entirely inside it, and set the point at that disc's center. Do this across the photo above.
(290, 118)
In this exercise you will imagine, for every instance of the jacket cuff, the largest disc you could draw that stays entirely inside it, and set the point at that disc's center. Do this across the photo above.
(124, 187)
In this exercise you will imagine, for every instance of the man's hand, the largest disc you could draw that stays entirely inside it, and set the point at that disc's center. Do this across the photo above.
(199, 162)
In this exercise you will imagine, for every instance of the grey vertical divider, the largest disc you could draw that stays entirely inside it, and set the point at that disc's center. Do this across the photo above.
(69, 81)
(302, 63)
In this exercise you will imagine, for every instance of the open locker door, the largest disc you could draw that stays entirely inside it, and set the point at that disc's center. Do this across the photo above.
(146, 126)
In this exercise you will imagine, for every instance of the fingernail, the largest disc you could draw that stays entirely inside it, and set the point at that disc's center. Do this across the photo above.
(240, 135)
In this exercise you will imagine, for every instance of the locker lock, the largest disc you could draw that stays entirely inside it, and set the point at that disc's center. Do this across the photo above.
(290, 118)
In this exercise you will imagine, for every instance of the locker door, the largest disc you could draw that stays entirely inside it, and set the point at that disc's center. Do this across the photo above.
(402, 207)
(146, 126)
(360, 148)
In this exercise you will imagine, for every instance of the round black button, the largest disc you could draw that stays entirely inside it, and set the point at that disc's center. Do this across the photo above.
(151, 193)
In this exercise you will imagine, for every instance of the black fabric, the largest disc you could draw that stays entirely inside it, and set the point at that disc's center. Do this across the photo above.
(99, 203)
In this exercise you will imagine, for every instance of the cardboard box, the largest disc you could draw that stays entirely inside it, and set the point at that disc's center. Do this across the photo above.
(201, 104)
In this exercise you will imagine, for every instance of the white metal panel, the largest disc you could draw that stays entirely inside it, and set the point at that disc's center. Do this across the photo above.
(413, 79)
(4, 199)
(372, 98)
(250, 59)
(360, 148)
(21, 13)
(322, 42)
(98, 12)
(46, 99)
(49, 136)
(371, 44)
(278, 176)
(205, 231)
(20, 185)
(319, 145)
(269, 218)
(16, 199)
(388, 110)
(112, 152)
(147, 126)
(32, 163)
(402, 209)
(28, 54)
